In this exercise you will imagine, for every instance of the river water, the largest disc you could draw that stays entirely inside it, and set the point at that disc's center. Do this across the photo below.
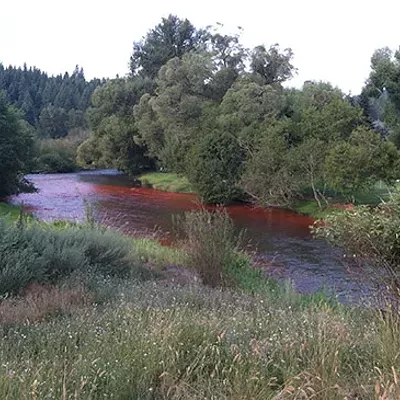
(276, 235)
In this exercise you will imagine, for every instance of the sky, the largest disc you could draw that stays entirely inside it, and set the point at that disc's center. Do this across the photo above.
(332, 40)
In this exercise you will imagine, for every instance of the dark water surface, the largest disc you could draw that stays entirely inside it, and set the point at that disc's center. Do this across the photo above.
(276, 234)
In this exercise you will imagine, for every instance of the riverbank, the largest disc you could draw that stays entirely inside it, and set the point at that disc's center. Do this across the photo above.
(10, 211)
(171, 182)
(168, 182)
(123, 325)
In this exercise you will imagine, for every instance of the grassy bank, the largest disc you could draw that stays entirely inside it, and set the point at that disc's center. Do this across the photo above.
(160, 341)
(311, 208)
(374, 196)
(10, 212)
(169, 182)
(87, 313)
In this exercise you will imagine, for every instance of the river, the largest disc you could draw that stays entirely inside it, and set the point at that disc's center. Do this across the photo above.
(274, 234)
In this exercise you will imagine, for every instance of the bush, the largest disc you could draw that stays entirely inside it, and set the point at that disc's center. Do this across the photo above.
(43, 253)
(211, 243)
(370, 237)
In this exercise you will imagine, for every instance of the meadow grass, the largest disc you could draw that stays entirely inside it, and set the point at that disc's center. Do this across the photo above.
(168, 182)
(104, 333)
(151, 251)
(158, 341)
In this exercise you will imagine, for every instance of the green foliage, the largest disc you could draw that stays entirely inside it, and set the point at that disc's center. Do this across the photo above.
(33, 91)
(247, 108)
(56, 156)
(246, 277)
(59, 155)
(215, 167)
(113, 146)
(382, 91)
(320, 111)
(113, 143)
(268, 175)
(152, 252)
(370, 238)
(53, 122)
(44, 253)
(170, 121)
(16, 144)
(272, 66)
(360, 162)
(311, 208)
(171, 38)
(10, 211)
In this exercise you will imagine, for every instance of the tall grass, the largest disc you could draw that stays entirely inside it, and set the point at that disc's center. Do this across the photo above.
(211, 243)
(163, 342)
(152, 252)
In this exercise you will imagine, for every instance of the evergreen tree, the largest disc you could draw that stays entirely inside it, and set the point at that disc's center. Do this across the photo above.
(15, 148)
(32, 90)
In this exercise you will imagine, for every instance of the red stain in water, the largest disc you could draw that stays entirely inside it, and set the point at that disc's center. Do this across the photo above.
(138, 211)
(274, 234)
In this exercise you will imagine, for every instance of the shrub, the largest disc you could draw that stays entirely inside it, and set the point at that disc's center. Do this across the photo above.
(211, 243)
(370, 237)
(45, 253)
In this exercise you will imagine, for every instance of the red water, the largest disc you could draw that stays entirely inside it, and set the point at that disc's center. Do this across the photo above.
(274, 233)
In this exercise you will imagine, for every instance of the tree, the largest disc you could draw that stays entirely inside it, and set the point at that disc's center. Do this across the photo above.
(53, 122)
(16, 145)
(268, 176)
(114, 128)
(170, 121)
(229, 58)
(32, 90)
(215, 168)
(309, 160)
(383, 89)
(272, 66)
(321, 111)
(360, 162)
(171, 38)
(247, 107)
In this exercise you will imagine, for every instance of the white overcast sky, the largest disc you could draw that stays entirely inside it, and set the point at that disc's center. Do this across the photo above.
(333, 40)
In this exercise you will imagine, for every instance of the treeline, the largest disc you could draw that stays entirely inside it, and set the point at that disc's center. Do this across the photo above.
(53, 105)
(54, 111)
(197, 102)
